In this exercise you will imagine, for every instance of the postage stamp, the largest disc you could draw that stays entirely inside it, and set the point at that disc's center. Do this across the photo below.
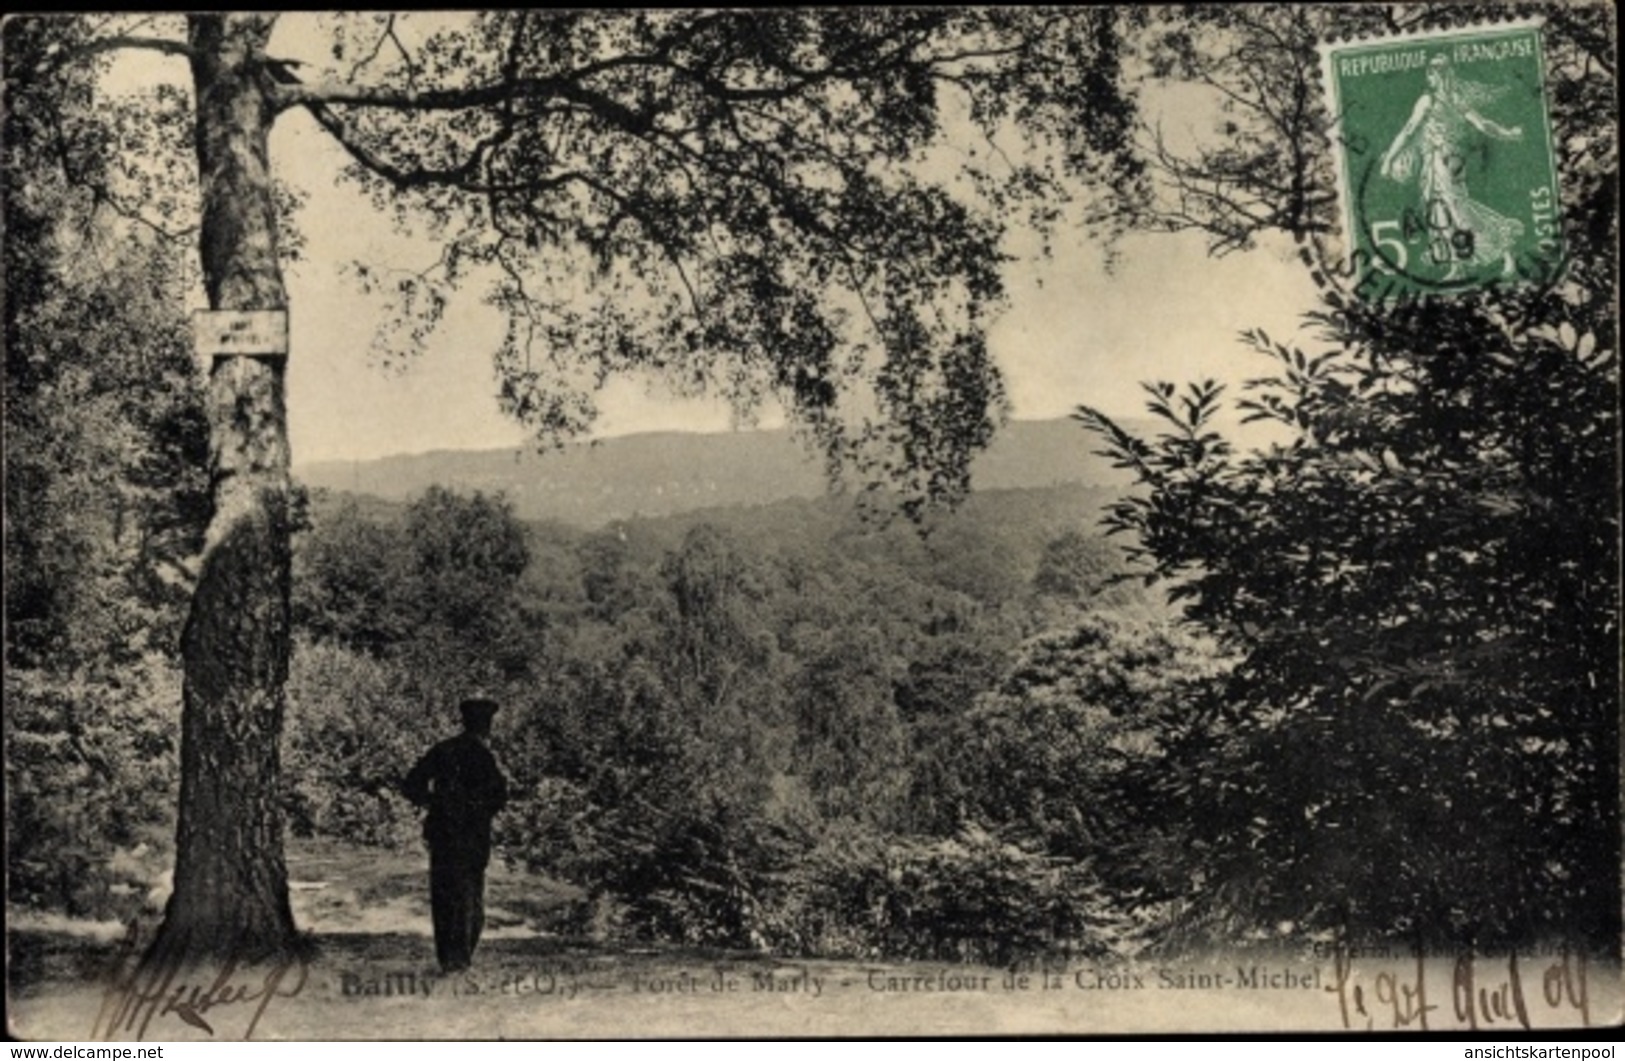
(1445, 160)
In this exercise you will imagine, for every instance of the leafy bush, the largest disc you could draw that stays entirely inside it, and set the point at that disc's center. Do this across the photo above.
(971, 898)
(354, 729)
(1425, 609)
(624, 787)
(1421, 577)
(1076, 706)
(91, 770)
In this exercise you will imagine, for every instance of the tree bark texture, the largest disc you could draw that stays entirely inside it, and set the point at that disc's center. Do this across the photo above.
(231, 883)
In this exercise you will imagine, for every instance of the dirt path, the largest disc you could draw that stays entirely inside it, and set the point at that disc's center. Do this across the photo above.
(373, 977)
(366, 985)
(381, 986)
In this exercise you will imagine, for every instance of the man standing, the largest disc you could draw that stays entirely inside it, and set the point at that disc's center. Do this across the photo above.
(460, 783)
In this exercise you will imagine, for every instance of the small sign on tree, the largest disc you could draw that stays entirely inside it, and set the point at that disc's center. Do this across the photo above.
(226, 332)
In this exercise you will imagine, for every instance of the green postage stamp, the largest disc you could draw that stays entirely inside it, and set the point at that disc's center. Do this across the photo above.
(1445, 160)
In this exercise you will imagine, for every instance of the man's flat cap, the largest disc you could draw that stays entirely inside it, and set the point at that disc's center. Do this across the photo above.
(478, 709)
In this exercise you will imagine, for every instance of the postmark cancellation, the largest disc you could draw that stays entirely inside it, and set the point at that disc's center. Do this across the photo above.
(1446, 173)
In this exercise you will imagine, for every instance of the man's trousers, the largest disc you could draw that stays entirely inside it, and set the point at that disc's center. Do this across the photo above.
(457, 902)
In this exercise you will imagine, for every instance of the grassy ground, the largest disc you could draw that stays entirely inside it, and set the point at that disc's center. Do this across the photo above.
(339, 889)
(373, 977)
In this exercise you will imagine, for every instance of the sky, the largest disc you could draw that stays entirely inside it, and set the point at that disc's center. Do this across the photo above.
(1073, 333)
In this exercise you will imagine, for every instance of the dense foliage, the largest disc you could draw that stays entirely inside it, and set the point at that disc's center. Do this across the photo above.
(742, 200)
(778, 728)
(104, 508)
(1421, 582)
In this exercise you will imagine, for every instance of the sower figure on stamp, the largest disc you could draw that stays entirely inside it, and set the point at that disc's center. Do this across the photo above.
(463, 788)
(1432, 146)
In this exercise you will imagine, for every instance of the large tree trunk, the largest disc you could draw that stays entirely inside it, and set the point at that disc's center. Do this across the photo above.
(231, 887)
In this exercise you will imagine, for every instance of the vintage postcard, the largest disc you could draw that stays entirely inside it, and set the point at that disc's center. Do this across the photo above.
(935, 521)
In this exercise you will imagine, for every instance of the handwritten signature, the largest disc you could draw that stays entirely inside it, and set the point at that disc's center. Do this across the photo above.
(1483, 993)
(149, 990)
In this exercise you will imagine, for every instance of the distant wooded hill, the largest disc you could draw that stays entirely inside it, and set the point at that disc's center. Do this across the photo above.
(669, 473)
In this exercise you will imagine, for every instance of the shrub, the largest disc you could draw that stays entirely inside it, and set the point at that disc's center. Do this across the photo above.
(91, 769)
(972, 898)
(353, 731)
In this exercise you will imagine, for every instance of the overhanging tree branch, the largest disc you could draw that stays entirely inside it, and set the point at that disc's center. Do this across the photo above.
(101, 46)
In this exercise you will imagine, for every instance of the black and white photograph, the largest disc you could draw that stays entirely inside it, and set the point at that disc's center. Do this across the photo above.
(812, 522)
